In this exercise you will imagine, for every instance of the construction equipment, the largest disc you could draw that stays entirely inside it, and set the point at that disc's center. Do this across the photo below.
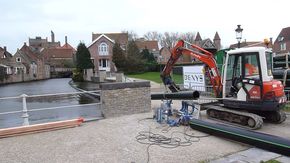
(175, 96)
(246, 90)
(281, 70)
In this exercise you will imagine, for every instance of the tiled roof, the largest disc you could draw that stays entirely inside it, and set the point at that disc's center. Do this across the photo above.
(207, 44)
(285, 33)
(67, 46)
(57, 53)
(25, 57)
(216, 36)
(27, 50)
(150, 45)
(197, 37)
(8, 57)
(5, 53)
(101, 36)
(121, 38)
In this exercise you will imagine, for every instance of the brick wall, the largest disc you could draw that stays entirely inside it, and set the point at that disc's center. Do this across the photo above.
(125, 98)
(95, 53)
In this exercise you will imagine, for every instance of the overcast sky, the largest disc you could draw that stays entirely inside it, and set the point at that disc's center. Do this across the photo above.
(77, 19)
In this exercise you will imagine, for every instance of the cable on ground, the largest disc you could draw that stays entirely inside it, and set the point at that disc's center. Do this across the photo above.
(149, 138)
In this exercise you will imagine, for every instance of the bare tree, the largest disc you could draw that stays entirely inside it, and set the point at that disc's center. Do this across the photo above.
(188, 36)
(153, 35)
(132, 36)
(169, 39)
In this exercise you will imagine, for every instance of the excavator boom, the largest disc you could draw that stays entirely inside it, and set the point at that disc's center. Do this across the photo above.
(198, 53)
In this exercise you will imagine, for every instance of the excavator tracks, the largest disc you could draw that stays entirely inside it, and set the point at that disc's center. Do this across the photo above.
(277, 117)
(243, 119)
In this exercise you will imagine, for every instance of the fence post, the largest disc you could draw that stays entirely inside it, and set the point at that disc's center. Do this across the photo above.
(25, 112)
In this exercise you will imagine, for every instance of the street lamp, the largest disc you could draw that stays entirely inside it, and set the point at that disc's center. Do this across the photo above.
(239, 31)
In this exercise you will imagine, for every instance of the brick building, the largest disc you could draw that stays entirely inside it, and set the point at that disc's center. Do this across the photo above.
(101, 49)
(38, 43)
(282, 42)
(151, 45)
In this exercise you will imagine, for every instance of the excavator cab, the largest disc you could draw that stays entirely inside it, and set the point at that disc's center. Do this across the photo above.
(248, 82)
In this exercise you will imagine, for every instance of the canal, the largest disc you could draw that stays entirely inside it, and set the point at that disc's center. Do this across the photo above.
(51, 86)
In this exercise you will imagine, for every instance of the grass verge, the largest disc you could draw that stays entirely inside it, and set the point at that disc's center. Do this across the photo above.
(155, 76)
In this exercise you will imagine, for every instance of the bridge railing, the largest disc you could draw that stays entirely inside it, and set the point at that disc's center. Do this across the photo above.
(27, 111)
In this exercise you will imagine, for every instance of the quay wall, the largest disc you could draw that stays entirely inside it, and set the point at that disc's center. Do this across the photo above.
(125, 98)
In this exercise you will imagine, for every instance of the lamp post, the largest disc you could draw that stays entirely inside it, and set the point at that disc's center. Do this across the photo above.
(239, 31)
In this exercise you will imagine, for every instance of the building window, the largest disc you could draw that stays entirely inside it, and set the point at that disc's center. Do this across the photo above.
(18, 59)
(103, 63)
(282, 46)
(281, 38)
(103, 49)
(34, 68)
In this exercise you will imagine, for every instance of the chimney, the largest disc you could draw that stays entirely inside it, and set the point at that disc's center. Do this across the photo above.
(24, 43)
(65, 38)
(5, 48)
(271, 41)
(52, 36)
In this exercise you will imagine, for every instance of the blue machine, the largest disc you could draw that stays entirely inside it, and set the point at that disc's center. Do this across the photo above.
(164, 113)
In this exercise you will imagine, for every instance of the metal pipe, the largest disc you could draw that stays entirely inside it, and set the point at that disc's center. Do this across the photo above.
(185, 95)
(264, 141)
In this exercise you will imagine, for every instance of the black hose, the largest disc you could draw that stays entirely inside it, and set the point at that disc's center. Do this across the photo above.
(264, 141)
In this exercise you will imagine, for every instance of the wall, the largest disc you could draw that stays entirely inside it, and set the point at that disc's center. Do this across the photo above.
(125, 98)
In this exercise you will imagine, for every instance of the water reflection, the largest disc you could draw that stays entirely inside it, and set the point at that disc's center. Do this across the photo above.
(51, 86)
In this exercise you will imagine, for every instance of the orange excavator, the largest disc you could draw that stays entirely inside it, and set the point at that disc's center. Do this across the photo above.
(246, 92)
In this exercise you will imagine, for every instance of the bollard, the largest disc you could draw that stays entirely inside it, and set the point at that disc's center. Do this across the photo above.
(25, 112)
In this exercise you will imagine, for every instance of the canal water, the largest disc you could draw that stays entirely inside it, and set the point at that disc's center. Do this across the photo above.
(51, 86)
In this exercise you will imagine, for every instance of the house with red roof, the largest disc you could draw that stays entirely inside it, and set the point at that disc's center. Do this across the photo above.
(151, 45)
(282, 42)
(5, 59)
(38, 60)
(60, 59)
(39, 69)
(101, 49)
(25, 65)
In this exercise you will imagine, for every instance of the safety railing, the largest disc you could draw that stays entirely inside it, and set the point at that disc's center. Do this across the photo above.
(27, 111)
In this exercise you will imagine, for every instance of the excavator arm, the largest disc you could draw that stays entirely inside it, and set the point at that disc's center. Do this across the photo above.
(198, 53)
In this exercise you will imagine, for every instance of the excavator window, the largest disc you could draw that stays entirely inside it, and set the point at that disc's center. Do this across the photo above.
(234, 67)
(269, 63)
(233, 75)
(251, 65)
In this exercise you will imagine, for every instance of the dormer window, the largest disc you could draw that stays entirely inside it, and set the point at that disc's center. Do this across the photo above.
(103, 49)
(280, 39)
(283, 46)
(18, 59)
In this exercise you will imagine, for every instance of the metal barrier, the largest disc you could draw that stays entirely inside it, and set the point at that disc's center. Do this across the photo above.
(25, 111)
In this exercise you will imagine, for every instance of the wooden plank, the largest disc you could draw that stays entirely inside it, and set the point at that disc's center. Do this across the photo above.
(23, 130)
